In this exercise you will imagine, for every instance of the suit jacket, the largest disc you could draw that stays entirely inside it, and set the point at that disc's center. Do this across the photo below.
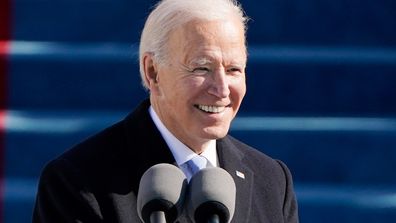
(98, 180)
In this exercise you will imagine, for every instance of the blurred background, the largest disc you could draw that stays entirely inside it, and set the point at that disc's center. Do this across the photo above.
(321, 94)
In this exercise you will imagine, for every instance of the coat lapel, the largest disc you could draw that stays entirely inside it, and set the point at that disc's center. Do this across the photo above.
(146, 147)
(231, 159)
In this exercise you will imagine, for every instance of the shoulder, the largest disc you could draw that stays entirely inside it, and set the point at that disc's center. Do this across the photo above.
(110, 142)
(98, 147)
(263, 165)
(252, 154)
(90, 155)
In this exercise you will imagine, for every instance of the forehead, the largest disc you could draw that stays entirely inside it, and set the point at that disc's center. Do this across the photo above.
(204, 41)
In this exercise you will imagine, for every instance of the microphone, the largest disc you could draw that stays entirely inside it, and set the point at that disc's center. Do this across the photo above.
(161, 194)
(212, 196)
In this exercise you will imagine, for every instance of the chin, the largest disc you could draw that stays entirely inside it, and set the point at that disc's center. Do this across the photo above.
(215, 132)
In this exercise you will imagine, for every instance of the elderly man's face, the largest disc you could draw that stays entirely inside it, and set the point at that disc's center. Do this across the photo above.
(199, 91)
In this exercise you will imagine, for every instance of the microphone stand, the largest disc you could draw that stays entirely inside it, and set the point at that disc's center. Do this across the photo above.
(214, 219)
(157, 217)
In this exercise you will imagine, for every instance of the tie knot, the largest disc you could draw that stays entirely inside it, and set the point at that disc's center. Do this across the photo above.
(196, 163)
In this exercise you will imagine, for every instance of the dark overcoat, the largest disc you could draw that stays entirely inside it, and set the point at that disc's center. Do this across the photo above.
(98, 180)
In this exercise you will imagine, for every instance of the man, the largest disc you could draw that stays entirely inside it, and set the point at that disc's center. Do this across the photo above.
(192, 61)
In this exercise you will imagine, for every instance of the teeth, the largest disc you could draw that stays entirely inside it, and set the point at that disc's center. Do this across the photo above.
(211, 108)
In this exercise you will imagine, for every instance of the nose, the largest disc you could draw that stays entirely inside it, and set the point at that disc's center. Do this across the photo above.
(219, 85)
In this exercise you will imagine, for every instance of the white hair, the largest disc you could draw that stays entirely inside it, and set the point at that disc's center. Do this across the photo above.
(170, 14)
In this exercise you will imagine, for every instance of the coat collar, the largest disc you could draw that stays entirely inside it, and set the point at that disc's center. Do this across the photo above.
(231, 159)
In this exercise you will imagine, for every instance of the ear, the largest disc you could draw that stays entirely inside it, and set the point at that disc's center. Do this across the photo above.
(150, 72)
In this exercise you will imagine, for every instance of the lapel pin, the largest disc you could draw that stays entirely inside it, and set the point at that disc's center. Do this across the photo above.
(240, 174)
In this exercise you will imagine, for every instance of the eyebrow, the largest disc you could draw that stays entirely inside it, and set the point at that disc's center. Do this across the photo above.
(205, 61)
(201, 61)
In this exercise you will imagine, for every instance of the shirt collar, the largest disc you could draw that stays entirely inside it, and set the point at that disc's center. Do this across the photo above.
(180, 151)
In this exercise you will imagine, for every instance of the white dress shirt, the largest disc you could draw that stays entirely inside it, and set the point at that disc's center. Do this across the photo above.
(180, 151)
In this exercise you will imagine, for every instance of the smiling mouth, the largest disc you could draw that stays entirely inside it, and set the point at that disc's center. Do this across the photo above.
(211, 108)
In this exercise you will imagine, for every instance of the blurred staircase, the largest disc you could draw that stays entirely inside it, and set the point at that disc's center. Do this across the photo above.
(321, 95)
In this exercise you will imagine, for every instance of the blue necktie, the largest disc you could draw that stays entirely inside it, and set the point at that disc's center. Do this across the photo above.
(196, 164)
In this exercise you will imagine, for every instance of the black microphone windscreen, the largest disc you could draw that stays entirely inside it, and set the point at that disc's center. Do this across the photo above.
(162, 188)
(212, 192)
